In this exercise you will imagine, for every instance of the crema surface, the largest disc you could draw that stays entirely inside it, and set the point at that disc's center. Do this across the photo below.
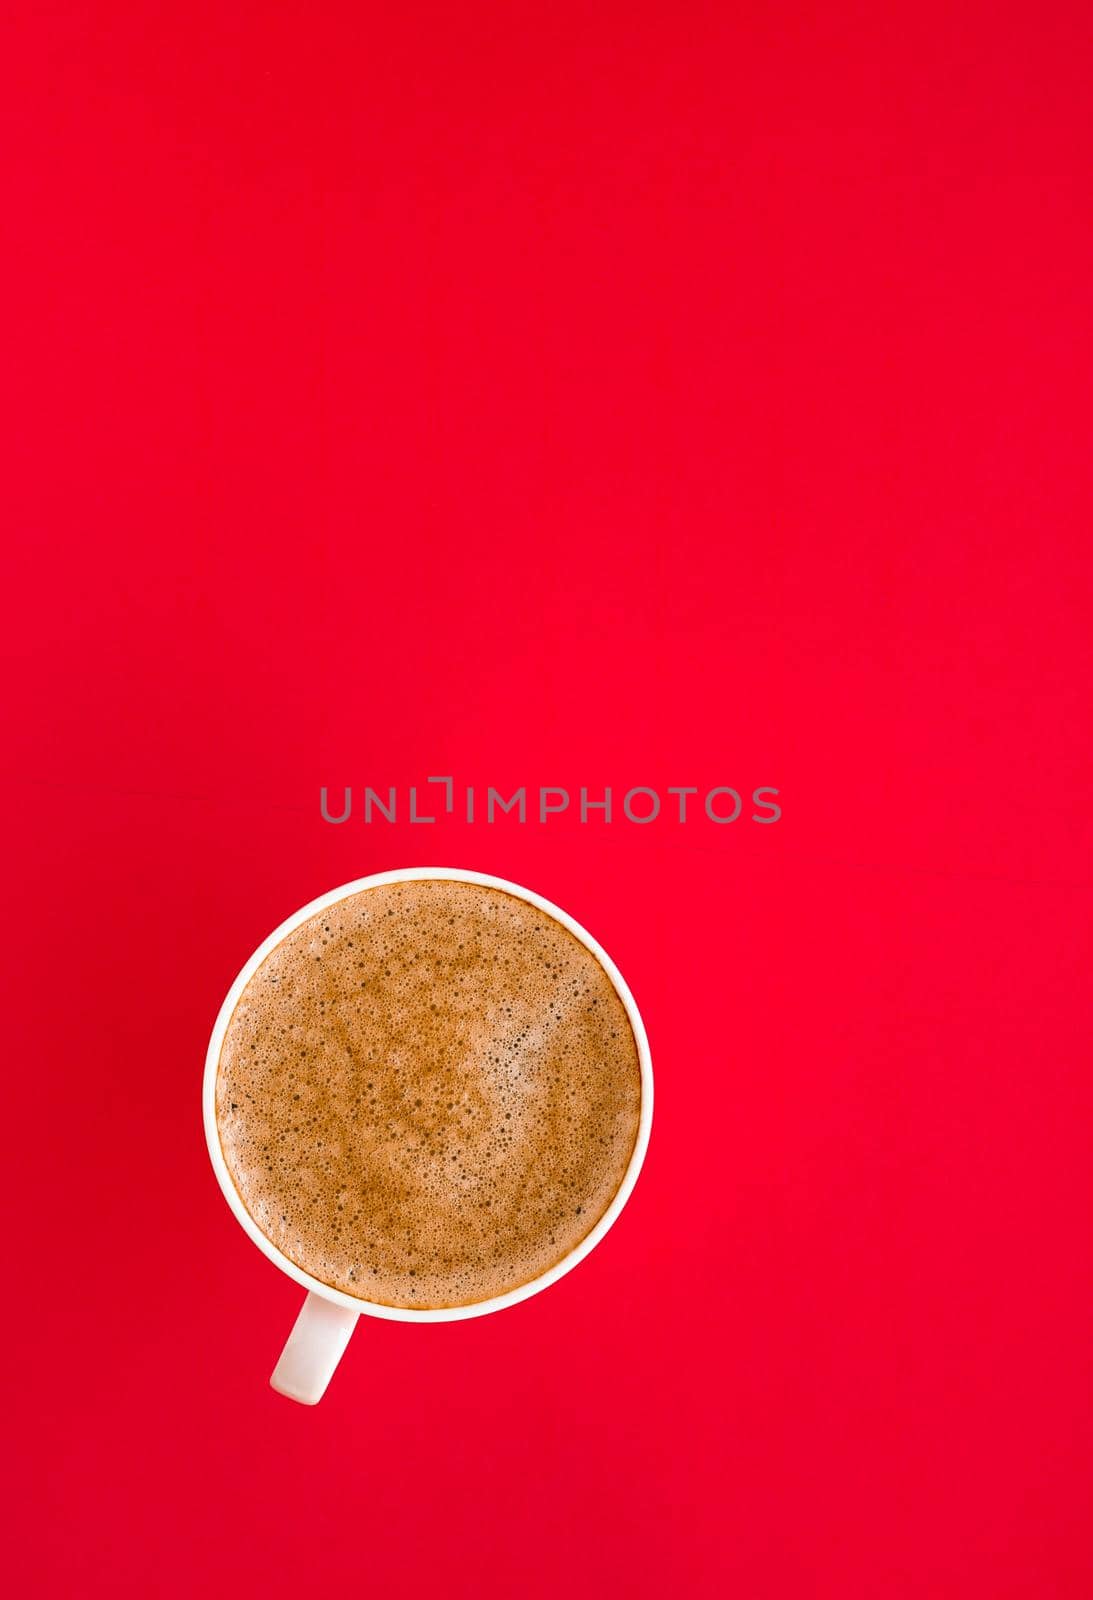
(428, 1094)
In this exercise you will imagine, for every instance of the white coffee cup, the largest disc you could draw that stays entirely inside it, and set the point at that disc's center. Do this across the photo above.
(328, 1316)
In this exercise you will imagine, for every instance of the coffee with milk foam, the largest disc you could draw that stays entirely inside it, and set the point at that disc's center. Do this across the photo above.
(428, 1094)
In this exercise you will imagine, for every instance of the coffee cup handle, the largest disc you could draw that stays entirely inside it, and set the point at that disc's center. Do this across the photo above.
(314, 1348)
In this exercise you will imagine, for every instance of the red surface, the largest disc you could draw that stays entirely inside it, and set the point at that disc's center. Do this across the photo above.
(632, 395)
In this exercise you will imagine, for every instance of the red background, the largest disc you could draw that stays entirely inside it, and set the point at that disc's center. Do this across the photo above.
(646, 394)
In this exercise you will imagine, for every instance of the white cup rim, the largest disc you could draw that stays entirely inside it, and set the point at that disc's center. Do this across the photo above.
(479, 1308)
